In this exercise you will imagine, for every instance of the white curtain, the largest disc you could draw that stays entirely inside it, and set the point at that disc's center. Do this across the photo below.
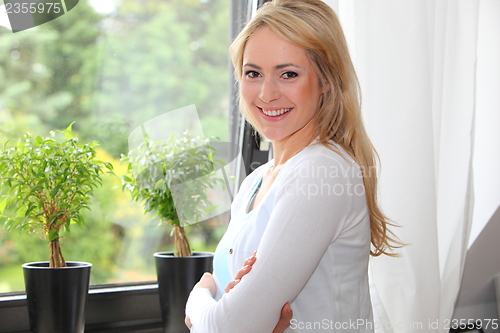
(430, 78)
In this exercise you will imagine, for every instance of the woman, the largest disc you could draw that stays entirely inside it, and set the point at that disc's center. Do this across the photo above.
(311, 212)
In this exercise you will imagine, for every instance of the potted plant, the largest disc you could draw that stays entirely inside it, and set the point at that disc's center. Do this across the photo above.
(45, 184)
(171, 179)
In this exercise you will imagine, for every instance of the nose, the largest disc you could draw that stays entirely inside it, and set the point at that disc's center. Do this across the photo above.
(269, 90)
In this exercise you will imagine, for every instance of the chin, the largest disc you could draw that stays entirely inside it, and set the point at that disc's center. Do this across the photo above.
(273, 135)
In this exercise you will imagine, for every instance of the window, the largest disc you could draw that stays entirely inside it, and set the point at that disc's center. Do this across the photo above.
(111, 66)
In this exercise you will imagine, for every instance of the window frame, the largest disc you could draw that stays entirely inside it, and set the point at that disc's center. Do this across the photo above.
(249, 140)
(110, 308)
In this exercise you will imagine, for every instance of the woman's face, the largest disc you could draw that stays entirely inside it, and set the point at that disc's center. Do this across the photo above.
(279, 86)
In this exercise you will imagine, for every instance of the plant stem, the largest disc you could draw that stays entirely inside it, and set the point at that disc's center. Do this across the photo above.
(181, 243)
(56, 257)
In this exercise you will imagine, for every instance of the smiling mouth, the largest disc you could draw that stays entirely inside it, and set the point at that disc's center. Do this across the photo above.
(275, 113)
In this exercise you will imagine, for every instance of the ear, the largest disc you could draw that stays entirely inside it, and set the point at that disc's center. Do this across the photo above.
(325, 87)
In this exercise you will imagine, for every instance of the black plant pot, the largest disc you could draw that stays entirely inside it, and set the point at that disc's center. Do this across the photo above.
(57, 296)
(176, 278)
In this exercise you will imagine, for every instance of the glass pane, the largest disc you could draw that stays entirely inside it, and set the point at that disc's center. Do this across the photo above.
(110, 66)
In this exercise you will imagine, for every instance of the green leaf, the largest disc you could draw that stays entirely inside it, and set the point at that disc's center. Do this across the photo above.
(53, 193)
(3, 203)
(67, 226)
(52, 235)
(31, 207)
(159, 184)
(80, 220)
(68, 134)
(54, 216)
(210, 209)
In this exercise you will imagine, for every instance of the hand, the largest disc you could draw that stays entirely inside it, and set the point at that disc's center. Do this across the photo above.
(286, 316)
(286, 310)
(207, 281)
(247, 267)
(187, 322)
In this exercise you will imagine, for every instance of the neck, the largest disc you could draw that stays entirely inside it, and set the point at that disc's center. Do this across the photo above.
(288, 147)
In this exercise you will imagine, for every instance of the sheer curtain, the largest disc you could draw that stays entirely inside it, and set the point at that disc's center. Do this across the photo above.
(430, 78)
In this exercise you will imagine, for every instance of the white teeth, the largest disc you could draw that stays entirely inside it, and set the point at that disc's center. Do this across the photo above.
(275, 113)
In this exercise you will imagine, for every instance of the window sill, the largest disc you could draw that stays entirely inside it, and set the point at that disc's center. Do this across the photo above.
(110, 308)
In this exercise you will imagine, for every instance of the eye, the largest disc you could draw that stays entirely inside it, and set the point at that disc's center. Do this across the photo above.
(289, 75)
(252, 74)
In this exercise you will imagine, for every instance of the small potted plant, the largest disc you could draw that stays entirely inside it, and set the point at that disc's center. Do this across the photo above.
(45, 184)
(171, 179)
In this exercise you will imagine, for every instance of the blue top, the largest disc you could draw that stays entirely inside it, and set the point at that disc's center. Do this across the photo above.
(221, 258)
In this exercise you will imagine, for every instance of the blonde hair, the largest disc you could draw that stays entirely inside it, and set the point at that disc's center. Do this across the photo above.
(313, 26)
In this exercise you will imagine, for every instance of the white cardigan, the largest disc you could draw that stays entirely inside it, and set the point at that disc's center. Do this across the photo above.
(312, 236)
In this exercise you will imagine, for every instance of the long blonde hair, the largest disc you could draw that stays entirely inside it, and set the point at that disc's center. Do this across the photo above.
(313, 26)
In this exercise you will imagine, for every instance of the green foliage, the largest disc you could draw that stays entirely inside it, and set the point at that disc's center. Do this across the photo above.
(163, 55)
(171, 178)
(147, 58)
(100, 242)
(49, 71)
(156, 167)
(48, 183)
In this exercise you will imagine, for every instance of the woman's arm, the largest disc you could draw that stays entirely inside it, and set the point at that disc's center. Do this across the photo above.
(303, 223)
(207, 282)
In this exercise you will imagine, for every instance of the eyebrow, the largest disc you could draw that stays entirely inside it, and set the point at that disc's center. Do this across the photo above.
(275, 67)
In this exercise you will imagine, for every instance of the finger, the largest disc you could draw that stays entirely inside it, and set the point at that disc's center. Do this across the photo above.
(203, 280)
(207, 282)
(242, 272)
(285, 318)
(247, 267)
(250, 261)
(187, 322)
(287, 313)
(206, 277)
(231, 285)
